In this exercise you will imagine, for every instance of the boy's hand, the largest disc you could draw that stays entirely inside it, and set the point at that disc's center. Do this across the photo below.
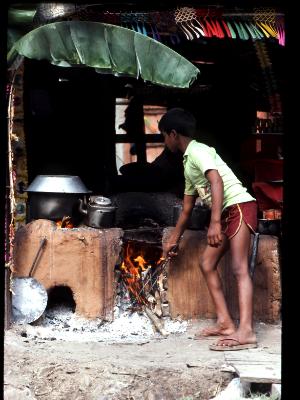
(170, 249)
(214, 234)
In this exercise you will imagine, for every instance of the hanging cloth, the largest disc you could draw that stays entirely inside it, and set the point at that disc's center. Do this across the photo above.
(245, 33)
(250, 30)
(239, 31)
(256, 30)
(267, 35)
(186, 19)
(227, 30)
(266, 21)
(209, 28)
(281, 36)
(217, 28)
(269, 29)
(232, 32)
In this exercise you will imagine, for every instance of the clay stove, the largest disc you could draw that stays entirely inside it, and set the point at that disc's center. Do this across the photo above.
(82, 259)
(85, 260)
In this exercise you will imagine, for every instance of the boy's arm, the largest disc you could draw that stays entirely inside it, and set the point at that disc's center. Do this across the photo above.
(214, 235)
(188, 205)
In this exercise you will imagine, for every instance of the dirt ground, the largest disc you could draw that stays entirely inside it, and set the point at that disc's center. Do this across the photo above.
(177, 367)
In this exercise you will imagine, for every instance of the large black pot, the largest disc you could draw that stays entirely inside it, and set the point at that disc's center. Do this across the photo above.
(55, 196)
(269, 226)
(198, 220)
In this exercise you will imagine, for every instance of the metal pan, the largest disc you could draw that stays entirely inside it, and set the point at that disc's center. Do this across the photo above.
(29, 297)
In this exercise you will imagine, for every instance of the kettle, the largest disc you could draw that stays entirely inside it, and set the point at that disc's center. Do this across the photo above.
(99, 212)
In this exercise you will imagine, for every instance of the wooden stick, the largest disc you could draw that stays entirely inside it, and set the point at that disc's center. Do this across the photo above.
(155, 320)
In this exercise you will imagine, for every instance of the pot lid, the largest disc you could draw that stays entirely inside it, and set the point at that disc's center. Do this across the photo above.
(102, 201)
(57, 184)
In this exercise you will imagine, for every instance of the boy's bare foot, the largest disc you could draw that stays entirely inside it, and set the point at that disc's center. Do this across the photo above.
(220, 329)
(238, 338)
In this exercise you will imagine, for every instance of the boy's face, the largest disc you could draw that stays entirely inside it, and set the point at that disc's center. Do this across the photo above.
(171, 141)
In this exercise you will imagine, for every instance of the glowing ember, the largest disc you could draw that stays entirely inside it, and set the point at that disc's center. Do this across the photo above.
(65, 223)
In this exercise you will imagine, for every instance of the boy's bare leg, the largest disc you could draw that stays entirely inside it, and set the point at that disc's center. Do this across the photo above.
(210, 258)
(239, 247)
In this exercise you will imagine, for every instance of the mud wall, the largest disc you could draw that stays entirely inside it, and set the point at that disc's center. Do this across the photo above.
(187, 291)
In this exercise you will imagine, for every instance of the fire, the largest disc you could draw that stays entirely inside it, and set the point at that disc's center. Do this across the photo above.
(137, 269)
(141, 262)
(65, 223)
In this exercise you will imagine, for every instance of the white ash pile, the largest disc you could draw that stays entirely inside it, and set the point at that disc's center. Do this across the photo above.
(60, 323)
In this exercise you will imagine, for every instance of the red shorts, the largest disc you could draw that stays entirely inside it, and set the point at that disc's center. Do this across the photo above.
(233, 216)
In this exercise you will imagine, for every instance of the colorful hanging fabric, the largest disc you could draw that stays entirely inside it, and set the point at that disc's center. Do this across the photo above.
(281, 36)
(265, 19)
(210, 32)
(186, 19)
(227, 30)
(232, 32)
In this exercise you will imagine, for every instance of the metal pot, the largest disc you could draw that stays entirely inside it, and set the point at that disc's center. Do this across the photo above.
(57, 184)
(269, 226)
(198, 220)
(99, 213)
(55, 196)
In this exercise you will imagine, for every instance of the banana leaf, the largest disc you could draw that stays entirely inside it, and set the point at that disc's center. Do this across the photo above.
(20, 20)
(21, 15)
(108, 49)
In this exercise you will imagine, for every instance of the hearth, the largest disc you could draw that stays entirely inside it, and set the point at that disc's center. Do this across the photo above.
(90, 263)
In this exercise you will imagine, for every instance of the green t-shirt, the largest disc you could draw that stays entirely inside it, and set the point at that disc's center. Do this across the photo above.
(197, 159)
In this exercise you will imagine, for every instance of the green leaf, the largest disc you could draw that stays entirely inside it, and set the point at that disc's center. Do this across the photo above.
(109, 49)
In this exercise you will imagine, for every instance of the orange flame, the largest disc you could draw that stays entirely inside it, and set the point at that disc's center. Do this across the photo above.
(132, 268)
(65, 223)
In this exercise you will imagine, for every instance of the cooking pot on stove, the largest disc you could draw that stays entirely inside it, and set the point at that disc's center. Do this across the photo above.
(55, 196)
(269, 226)
(99, 212)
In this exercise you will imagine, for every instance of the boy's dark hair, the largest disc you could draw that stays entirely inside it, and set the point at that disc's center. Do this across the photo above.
(182, 121)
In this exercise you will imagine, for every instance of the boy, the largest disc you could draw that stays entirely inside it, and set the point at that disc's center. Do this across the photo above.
(233, 217)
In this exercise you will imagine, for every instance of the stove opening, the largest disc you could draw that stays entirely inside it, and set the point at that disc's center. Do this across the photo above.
(61, 296)
(141, 277)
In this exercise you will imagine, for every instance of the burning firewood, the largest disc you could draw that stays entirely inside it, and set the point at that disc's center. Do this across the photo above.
(150, 299)
(165, 310)
(157, 309)
(156, 321)
(160, 282)
(145, 273)
(163, 296)
(144, 280)
(165, 282)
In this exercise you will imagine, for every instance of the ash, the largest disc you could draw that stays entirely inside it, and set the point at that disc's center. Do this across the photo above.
(60, 323)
